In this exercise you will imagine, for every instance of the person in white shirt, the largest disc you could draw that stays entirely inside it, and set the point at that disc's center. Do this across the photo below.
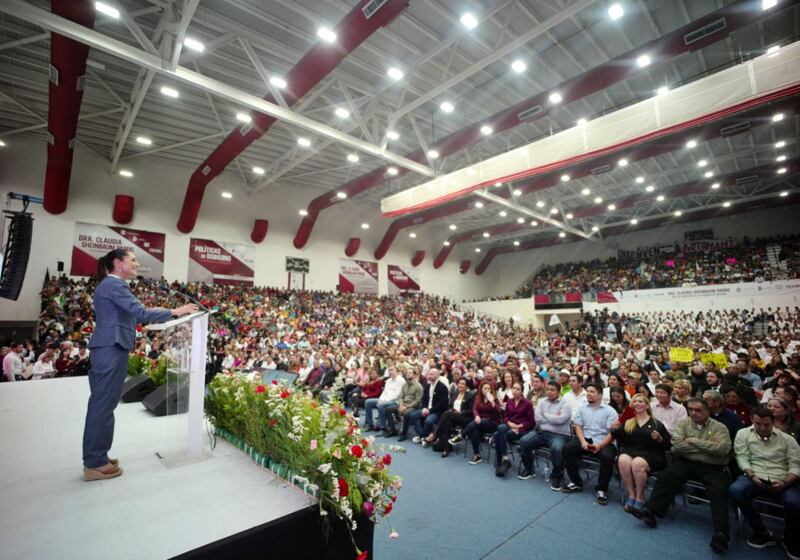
(12, 362)
(389, 397)
(43, 368)
(576, 396)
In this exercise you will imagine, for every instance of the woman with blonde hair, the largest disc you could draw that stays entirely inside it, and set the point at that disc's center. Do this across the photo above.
(643, 442)
(681, 391)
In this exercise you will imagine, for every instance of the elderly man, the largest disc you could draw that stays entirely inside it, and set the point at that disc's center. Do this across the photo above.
(700, 451)
(770, 463)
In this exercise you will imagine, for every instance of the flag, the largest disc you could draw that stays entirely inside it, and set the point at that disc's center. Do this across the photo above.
(554, 320)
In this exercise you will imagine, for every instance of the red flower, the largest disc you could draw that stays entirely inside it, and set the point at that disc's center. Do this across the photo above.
(284, 394)
(274, 381)
(388, 509)
(363, 555)
(387, 459)
(342, 412)
(344, 489)
(313, 404)
(273, 423)
(365, 443)
(356, 451)
(260, 389)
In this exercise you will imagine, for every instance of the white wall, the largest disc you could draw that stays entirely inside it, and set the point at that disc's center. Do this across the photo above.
(159, 189)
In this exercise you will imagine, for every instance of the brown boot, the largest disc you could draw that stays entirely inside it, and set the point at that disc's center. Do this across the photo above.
(101, 473)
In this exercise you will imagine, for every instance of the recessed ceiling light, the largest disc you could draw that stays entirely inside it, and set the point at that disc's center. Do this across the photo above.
(539, 204)
(777, 117)
(715, 186)
(534, 223)
(623, 162)
(780, 158)
(678, 213)
(586, 192)
(125, 173)
(446, 243)
(433, 154)
(170, 92)
(479, 204)
(486, 130)
(660, 198)
(615, 11)
(634, 221)
(782, 170)
(767, 4)
(226, 194)
(569, 216)
(341, 112)
(516, 243)
(562, 235)
(519, 66)
(2, 144)
(352, 158)
(453, 227)
(663, 90)
(517, 192)
(595, 228)
(469, 21)
(304, 142)
(486, 234)
(258, 170)
(643, 60)
(640, 179)
(726, 204)
(498, 184)
(193, 44)
(278, 82)
(773, 50)
(581, 122)
(447, 107)
(243, 117)
(503, 213)
(612, 206)
(702, 163)
(691, 144)
(780, 144)
(365, 226)
(520, 220)
(105, 9)
(598, 200)
(554, 211)
(395, 73)
(143, 140)
(555, 97)
(565, 178)
(392, 171)
(303, 212)
(708, 174)
(392, 135)
(784, 193)
(650, 188)
(412, 235)
(341, 195)
(477, 249)
(326, 34)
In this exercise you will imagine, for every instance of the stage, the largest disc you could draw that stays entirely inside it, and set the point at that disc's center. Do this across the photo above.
(151, 511)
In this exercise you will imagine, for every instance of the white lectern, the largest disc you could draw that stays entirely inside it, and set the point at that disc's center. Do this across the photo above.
(186, 339)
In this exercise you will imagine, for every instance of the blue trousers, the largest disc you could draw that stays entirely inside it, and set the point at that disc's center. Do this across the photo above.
(744, 490)
(422, 430)
(109, 367)
(534, 440)
(370, 406)
(502, 437)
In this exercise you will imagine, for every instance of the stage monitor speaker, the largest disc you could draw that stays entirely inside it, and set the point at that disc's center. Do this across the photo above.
(165, 400)
(15, 254)
(137, 388)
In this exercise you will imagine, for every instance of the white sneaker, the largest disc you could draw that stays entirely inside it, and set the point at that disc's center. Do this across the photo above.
(416, 439)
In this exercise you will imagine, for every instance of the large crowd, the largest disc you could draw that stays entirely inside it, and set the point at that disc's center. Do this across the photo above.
(606, 390)
(741, 262)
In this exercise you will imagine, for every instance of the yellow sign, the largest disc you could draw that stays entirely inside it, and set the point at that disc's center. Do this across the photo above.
(717, 359)
(681, 355)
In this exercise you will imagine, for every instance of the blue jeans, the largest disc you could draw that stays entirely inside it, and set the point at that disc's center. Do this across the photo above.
(382, 406)
(744, 490)
(502, 437)
(555, 442)
(422, 430)
(369, 407)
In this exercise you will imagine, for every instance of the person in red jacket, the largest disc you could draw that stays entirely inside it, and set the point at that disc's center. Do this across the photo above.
(517, 421)
(370, 390)
(486, 417)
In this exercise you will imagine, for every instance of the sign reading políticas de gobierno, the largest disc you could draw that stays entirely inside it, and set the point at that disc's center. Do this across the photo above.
(92, 241)
(220, 262)
(402, 280)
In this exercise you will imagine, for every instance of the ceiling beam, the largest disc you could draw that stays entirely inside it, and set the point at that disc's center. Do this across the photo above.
(189, 7)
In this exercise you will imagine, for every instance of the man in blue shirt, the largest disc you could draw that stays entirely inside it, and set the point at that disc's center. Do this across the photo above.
(593, 423)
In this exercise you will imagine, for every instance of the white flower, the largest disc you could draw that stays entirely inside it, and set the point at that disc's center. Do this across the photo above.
(324, 468)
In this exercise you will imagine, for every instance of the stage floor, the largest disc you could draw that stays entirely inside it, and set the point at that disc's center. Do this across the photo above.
(151, 511)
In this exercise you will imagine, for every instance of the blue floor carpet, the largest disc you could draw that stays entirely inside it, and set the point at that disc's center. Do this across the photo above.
(448, 508)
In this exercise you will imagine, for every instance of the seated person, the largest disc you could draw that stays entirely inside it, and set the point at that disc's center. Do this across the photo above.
(734, 403)
(665, 409)
(486, 416)
(618, 400)
(459, 414)
(392, 387)
(410, 399)
(643, 442)
(782, 418)
(593, 424)
(517, 421)
(552, 419)
(770, 464)
(43, 368)
(700, 451)
(434, 403)
(372, 389)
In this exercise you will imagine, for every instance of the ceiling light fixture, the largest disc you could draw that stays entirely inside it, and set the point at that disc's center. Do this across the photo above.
(715, 186)
(615, 11)
(517, 192)
(662, 91)
(243, 117)
(780, 158)
(107, 10)
(702, 163)
(326, 34)
(678, 213)
(479, 204)
(193, 44)
(2, 144)
(534, 223)
(623, 162)
(143, 140)
(780, 144)
(503, 213)
(352, 158)
(564, 178)
(708, 174)
(643, 60)
(498, 184)
(519, 66)
(516, 243)
(226, 194)
(640, 179)
(540, 204)
(477, 249)
(341, 195)
(767, 4)
(650, 188)
(784, 193)
(634, 221)
(555, 97)
(170, 92)
(691, 144)
(612, 206)
(412, 235)
(365, 226)
(595, 228)
(303, 212)
(125, 173)
(469, 21)
(773, 50)
(554, 211)
(392, 171)
(446, 243)
(569, 216)
(598, 200)
(341, 112)
(782, 170)
(304, 142)
(486, 130)
(777, 117)
(581, 122)
(392, 135)
(486, 234)
(258, 170)
(433, 154)
(586, 192)
(453, 227)
(278, 82)
(395, 73)
(660, 198)
(447, 107)
(562, 235)
(726, 204)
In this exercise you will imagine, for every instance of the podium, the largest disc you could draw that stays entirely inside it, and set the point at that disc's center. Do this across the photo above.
(184, 390)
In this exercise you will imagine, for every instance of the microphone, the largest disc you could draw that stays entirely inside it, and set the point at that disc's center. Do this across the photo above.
(171, 292)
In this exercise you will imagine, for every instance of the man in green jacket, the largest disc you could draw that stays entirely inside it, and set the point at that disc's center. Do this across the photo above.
(410, 399)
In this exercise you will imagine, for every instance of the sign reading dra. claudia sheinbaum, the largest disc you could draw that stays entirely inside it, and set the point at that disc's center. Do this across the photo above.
(92, 241)
(358, 277)
(402, 280)
(220, 262)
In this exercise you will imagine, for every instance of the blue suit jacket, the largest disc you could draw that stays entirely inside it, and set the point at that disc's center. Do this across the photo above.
(117, 311)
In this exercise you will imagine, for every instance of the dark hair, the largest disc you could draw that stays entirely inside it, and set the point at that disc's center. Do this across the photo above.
(697, 400)
(621, 391)
(597, 387)
(762, 412)
(725, 389)
(578, 376)
(105, 264)
(791, 391)
(646, 386)
(555, 384)
(664, 387)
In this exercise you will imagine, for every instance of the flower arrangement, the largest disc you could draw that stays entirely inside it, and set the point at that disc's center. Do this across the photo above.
(320, 443)
(156, 370)
(137, 364)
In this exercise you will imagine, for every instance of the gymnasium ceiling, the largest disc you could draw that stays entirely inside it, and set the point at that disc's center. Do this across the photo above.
(248, 42)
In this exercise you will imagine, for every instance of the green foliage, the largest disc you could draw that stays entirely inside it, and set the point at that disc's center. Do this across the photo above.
(137, 364)
(158, 370)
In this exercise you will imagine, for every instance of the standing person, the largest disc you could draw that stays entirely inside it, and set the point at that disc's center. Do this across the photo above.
(117, 311)
(12, 362)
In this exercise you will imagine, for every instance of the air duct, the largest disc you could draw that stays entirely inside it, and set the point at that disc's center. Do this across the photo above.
(123, 209)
